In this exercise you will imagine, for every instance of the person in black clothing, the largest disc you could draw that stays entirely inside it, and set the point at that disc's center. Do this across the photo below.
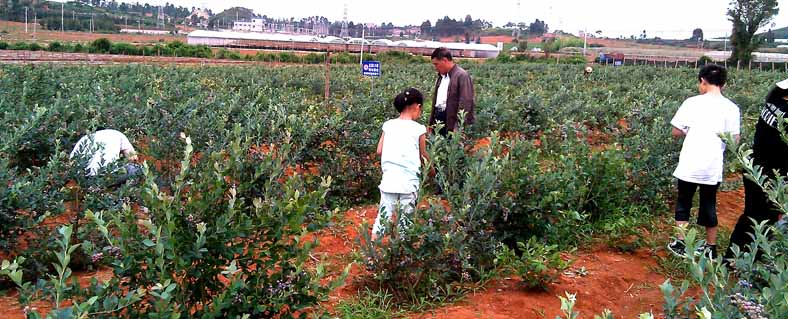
(770, 152)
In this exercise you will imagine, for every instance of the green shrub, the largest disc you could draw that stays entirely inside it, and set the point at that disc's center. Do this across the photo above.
(227, 54)
(314, 58)
(539, 265)
(56, 47)
(100, 45)
(19, 46)
(124, 48)
(442, 252)
(287, 57)
(35, 47)
(226, 240)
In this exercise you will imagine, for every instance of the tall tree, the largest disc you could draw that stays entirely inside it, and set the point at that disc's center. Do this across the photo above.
(538, 27)
(426, 27)
(697, 35)
(770, 36)
(747, 17)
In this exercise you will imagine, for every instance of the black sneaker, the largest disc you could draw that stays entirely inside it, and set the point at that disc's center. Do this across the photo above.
(677, 248)
(709, 250)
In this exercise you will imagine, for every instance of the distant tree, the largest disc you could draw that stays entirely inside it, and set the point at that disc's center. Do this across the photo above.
(747, 17)
(643, 35)
(538, 27)
(697, 35)
(426, 27)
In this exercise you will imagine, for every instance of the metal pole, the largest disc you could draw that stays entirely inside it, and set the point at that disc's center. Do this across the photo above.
(61, 17)
(25, 19)
(361, 58)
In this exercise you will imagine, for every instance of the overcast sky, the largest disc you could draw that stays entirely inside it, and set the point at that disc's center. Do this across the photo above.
(663, 18)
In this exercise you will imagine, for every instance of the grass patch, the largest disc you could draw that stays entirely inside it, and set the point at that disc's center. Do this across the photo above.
(370, 304)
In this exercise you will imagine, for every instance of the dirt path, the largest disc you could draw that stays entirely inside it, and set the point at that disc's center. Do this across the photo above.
(624, 283)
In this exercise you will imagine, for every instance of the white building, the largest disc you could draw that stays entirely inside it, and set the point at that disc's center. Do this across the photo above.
(143, 31)
(252, 39)
(256, 25)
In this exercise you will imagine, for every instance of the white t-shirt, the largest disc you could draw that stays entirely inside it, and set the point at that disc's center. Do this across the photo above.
(107, 146)
(401, 159)
(703, 118)
(443, 93)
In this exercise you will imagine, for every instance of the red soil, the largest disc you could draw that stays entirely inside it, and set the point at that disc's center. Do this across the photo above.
(16, 32)
(624, 283)
(730, 206)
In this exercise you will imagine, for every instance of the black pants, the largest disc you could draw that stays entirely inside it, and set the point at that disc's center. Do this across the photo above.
(707, 214)
(756, 206)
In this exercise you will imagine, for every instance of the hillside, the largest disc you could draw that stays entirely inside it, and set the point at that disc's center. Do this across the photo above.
(225, 18)
(781, 33)
(80, 16)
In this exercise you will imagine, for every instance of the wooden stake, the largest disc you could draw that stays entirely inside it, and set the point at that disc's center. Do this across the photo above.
(328, 77)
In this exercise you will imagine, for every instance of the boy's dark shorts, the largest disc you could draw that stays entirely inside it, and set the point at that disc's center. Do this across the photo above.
(707, 212)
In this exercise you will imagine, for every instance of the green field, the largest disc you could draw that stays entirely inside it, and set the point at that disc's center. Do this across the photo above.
(221, 224)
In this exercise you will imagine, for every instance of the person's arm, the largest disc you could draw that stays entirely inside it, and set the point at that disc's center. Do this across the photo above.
(735, 128)
(131, 155)
(127, 149)
(466, 97)
(679, 122)
(380, 144)
(677, 133)
(431, 119)
(423, 148)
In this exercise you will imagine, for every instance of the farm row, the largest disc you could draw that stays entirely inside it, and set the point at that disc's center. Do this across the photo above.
(245, 164)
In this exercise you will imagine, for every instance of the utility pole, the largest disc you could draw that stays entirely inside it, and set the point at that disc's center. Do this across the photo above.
(361, 58)
(62, 29)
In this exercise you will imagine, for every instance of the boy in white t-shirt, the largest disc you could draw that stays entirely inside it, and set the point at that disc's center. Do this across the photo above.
(402, 148)
(701, 120)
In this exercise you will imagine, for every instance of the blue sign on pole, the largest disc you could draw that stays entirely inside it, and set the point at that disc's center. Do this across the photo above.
(370, 68)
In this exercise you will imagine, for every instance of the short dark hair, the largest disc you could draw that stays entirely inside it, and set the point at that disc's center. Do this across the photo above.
(441, 52)
(407, 98)
(714, 74)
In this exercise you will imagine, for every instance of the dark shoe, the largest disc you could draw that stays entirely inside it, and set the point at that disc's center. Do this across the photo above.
(677, 247)
(709, 250)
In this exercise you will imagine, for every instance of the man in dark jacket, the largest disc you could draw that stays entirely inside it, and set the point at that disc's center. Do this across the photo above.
(770, 152)
(453, 92)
